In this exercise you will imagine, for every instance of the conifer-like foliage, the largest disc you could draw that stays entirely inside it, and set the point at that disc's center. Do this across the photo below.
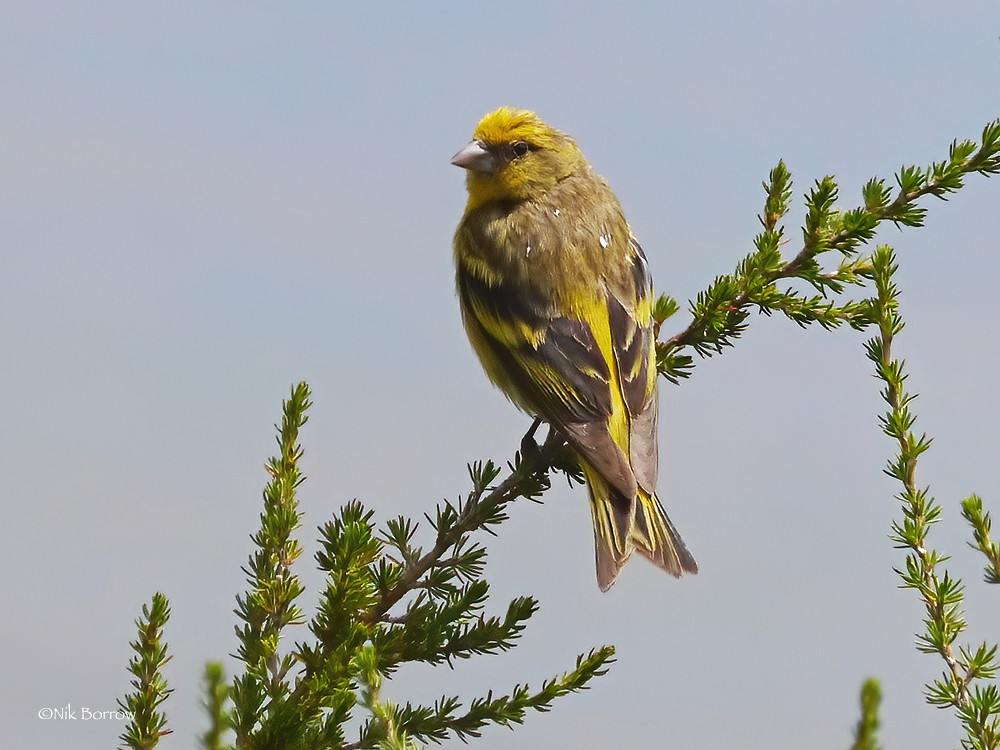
(386, 602)
(968, 683)
(409, 591)
(150, 689)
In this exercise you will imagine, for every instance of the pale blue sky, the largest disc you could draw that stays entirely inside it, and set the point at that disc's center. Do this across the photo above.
(203, 203)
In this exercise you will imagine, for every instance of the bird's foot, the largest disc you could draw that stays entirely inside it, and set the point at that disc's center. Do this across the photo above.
(529, 448)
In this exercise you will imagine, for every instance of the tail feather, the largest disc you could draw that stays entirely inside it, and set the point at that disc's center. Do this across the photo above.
(623, 525)
(613, 517)
(657, 540)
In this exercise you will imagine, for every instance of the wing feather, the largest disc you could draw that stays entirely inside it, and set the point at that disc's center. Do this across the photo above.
(552, 365)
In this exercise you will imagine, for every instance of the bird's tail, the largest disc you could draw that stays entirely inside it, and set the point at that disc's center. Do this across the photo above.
(613, 517)
(622, 525)
(656, 539)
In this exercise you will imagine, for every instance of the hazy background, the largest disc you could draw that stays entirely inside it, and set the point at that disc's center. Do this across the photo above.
(202, 203)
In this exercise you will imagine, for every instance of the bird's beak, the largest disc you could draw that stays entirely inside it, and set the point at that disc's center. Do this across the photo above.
(475, 157)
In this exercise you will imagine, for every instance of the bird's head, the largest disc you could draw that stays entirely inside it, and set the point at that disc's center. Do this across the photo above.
(515, 156)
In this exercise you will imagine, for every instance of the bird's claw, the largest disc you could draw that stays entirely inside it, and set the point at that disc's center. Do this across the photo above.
(529, 447)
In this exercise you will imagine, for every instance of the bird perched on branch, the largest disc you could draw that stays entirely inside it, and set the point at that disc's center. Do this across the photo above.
(557, 302)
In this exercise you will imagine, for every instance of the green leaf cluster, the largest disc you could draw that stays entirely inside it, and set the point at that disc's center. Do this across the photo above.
(967, 683)
(719, 313)
(981, 523)
(385, 602)
(147, 723)
(866, 731)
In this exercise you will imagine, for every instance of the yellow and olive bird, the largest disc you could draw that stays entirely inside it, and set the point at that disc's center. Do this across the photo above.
(557, 302)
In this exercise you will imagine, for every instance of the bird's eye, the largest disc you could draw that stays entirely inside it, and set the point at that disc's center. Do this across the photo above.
(520, 148)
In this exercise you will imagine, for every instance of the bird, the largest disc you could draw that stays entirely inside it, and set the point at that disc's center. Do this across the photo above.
(556, 298)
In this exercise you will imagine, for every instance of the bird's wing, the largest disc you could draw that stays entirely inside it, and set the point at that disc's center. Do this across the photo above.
(590, 374)
(630, 312)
